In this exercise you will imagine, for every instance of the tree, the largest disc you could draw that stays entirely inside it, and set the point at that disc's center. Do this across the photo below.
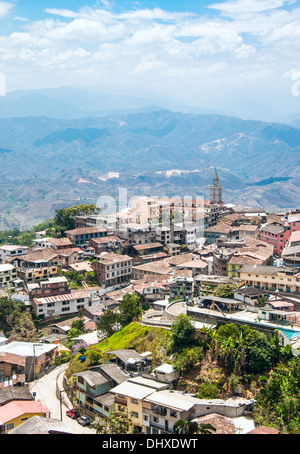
(187, 359)
(181, 331)
(259, 356)
(129, 309)
(183, 427)
(225, 291)
(77, 327)
(108, 323)
(208, 390)
(65, 217)
(117, 423)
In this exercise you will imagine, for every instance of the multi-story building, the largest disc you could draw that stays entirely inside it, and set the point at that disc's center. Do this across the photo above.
(36, 356)
(135, 234)
(163, 408)
(276, 235)
(92, 389)
(12, 369)
(182, 287)
(291, 253)
(272, 278)
(159, 267)
(82, 236)
(236, 262)
(9, 250)
(110, 243)
(130, 394)
(112, 269)
(60, 305)
(52, 286)
(212, 234)
(37, 265)
(8, 274)
(147, 209)
(151, 291)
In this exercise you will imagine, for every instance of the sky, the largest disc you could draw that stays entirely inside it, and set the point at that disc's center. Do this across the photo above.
(240, 57)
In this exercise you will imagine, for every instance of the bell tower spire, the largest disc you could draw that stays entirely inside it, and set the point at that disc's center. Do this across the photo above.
(216, 190)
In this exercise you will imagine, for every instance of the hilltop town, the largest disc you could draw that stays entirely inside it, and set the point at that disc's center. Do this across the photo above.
(205, 261)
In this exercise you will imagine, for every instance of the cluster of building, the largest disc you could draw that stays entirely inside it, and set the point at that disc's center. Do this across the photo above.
(167, 251)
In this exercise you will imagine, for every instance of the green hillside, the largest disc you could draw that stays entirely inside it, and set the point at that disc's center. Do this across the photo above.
(134, 336)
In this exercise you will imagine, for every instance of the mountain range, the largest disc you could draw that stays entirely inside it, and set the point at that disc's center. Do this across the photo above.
(48, 161)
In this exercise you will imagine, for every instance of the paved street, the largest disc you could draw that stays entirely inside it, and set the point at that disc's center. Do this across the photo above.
(45, 389)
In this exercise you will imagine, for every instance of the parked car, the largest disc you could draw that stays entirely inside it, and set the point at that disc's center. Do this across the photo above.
(84, 421)
(73, 414)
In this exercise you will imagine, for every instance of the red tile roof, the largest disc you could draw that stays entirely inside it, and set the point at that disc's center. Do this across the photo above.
(264, 430)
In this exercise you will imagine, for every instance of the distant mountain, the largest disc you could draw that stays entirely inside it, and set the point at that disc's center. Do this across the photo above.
(47, 163)
(72, 102)
(67, 103)
(295, 124)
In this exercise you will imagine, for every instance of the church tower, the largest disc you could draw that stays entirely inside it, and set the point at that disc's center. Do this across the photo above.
(216, 190)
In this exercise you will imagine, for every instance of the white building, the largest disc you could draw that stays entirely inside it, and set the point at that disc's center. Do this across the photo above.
(10, 250)
(8, 274)
(59, 305)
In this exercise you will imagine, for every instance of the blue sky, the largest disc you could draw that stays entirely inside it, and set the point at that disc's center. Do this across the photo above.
(237, 56)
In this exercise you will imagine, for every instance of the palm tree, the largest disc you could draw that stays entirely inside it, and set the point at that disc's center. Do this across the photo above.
(184, 427)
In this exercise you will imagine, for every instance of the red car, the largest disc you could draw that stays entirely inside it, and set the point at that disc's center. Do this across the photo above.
(74, 414)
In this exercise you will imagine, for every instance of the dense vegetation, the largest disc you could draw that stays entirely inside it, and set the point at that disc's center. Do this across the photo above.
(219, 363)
(64, 219)
(17, 321)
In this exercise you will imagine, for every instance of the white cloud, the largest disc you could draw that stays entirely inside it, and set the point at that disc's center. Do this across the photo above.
(5, 8)
(249, 6)
(242, 41)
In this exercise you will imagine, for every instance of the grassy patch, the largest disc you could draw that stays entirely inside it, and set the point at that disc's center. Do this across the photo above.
(134, 336)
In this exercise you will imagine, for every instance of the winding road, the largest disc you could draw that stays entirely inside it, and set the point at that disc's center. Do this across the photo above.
(45, 389)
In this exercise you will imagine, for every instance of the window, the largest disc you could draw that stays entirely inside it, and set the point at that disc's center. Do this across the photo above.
(10, 426)
(134, 401)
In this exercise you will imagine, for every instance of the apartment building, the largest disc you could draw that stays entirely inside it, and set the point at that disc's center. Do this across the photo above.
(9, 250)
(135, 234)
(82, 236)
(222, 230)
(130, 394)
(291, 253)
(8, 274)
(276, 235)
(147, 209)
(37, 264)
(112, 269)
(59, 305)
(35, 357)
(52, 286)
(272, 278)
(107, 243)
(163, 408)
